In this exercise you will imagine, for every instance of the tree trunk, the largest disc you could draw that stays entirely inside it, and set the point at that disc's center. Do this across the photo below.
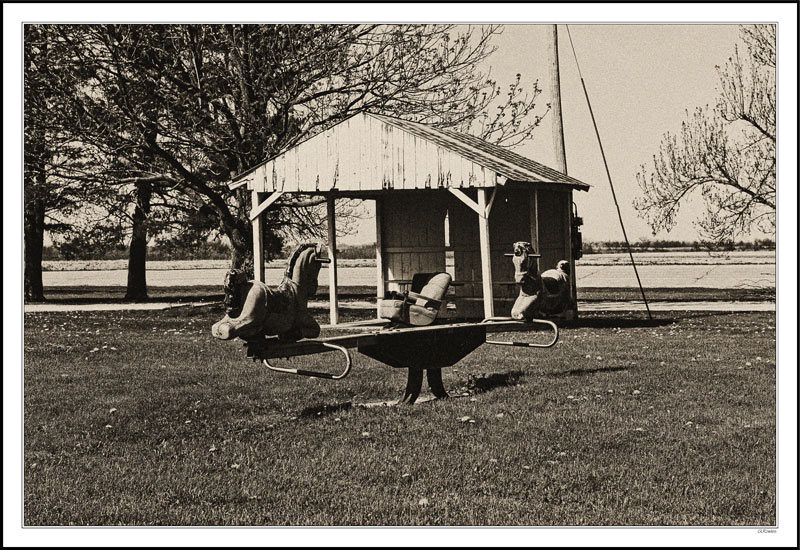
(137, 260)
(34, 243)
(35, 179)
(242, 250)
(240, 232)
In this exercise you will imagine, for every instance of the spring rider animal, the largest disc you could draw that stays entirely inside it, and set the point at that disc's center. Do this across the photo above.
(545, 294)
(254, 310)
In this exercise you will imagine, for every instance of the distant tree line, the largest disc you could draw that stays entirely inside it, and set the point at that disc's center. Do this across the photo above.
(166, 251)
(131, 132)
(655, 245)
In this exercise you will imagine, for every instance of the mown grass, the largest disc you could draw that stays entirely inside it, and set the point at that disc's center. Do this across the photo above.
(208, 293)
(141, 418)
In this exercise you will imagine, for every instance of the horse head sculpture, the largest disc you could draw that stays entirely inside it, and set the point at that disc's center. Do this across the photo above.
(545, 294)
(254, 310)
(526, 275)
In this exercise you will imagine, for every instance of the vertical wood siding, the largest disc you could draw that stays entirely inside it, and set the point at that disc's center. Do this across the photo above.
(552, 228)
(366, 154)
(412, 236)
(509, 222)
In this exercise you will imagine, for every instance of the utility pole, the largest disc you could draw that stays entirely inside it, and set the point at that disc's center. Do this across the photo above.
(560, 156)
(556, 122)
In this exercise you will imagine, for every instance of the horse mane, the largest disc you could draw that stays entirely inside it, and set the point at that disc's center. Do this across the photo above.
(296, 254)
(527, 248)
(233, 279)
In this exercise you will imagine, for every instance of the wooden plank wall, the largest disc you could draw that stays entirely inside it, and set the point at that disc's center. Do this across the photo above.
(412, 236)
(553, 226)
(465, 245)
(509, 222)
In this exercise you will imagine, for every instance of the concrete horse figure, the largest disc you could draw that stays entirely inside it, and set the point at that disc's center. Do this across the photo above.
(254, 310)
(545, 294)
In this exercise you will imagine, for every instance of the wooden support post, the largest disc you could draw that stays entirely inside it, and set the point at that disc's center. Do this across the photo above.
(463, 197)
(486, 256)
(534, 217)
(381, 281)
(491, 202)
(259, 209)
(534, 205)
(333, 278)
(258, 240)
(573, 291)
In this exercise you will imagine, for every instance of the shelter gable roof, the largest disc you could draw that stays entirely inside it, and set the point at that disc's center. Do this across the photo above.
(474, 150)
(494, 157)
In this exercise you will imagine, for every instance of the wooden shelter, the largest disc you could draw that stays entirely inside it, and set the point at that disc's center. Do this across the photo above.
(444, 201)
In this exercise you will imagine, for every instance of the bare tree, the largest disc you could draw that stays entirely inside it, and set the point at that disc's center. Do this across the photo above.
(177, 110)
(725, 153)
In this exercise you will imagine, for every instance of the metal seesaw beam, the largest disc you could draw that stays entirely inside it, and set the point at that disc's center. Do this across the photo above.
(417, 349)
(509, 322)
(317, 374)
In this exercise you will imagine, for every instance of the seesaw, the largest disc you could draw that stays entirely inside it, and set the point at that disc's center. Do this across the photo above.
(419, 349)
(412, 340)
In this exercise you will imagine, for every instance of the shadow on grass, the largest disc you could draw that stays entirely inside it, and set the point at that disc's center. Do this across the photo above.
(324, 410)
(483, 383)
(584, 372)
(86, 295)
(666, 294)
(613, 322)
(475, 384)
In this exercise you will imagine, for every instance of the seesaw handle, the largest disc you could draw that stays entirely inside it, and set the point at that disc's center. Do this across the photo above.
(315, 374)
(502, 320)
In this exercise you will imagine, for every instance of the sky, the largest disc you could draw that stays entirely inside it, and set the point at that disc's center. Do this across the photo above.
(641, 80)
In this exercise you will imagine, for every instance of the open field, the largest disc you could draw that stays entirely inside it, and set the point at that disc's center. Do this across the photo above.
(652, 276)
(141, 418)
(687, 269)
(610, 259)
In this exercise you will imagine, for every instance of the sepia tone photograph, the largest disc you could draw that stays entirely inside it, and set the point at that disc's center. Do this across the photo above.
(402, 271)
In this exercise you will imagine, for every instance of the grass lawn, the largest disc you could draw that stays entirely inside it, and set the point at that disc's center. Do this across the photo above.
(141, 418)
(201, 293)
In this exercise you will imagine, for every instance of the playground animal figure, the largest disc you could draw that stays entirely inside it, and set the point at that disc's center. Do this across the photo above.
(254, 310)
(545, 294)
